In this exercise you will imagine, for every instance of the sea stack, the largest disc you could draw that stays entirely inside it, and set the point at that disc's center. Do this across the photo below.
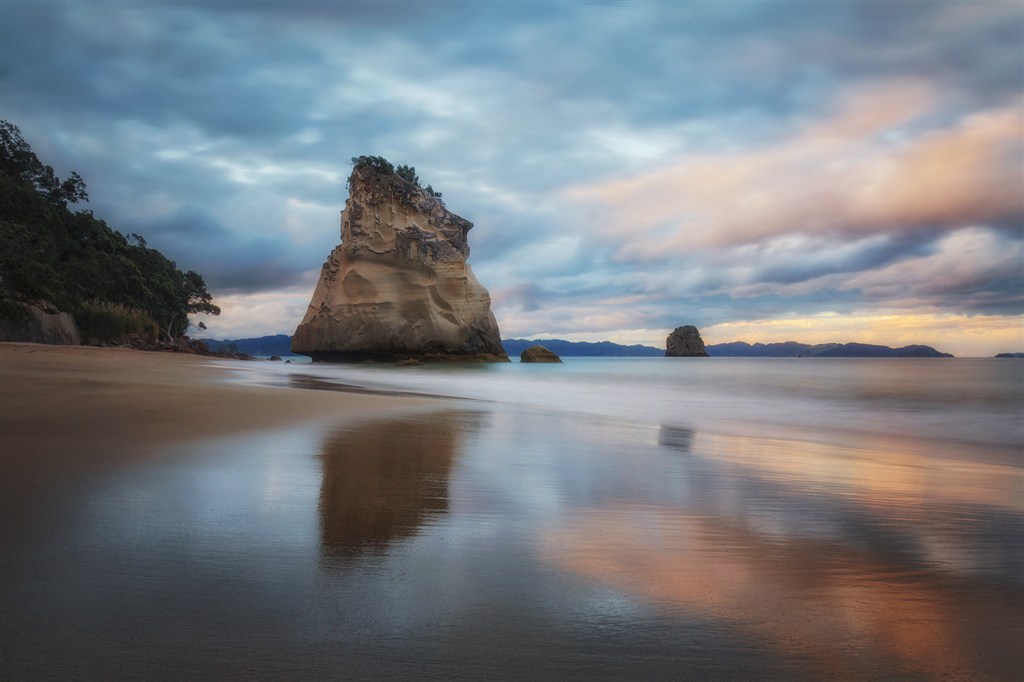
(538, 354)
(398, 286)
(685, 342)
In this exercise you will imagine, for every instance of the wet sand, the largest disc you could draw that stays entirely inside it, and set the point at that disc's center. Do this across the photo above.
(72, 411)
(173, 517)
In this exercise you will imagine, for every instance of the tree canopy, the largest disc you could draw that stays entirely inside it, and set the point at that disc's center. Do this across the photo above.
(384, 167)
(56, 257)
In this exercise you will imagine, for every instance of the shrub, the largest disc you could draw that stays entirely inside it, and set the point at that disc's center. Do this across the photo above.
(114, 323)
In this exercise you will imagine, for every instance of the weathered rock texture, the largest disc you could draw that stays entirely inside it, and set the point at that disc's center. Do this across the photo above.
(538, 354)
(42, 327)
(685, 342)
(398, 286)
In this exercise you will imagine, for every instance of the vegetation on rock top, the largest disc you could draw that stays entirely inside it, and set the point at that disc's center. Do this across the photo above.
(384, 170)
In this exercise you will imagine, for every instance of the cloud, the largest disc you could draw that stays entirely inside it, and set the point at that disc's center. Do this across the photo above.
(961, 335)
(975, 269)
(861, 171)
(627, 165)
(248, 315)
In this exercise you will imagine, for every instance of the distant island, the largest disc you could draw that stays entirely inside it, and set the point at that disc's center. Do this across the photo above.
(280, 344)
(736, 349)
(260, 347)
(792, 349)
(582, 348)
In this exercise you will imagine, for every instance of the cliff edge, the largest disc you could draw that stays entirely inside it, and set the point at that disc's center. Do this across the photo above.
(398, 286)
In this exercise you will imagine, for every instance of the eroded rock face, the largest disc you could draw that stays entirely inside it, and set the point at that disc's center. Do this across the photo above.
(42, 327)
(685, 342)
(538, 354)
(398, 286)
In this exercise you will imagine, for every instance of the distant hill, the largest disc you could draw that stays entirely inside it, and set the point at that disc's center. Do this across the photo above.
(581, 348)
(792, 349)
(279, 344)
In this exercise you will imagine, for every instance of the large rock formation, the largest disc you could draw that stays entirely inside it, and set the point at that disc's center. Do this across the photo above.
(398, 286)
(685, 342)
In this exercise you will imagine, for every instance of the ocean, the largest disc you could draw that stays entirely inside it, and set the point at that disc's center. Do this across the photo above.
(607, 518)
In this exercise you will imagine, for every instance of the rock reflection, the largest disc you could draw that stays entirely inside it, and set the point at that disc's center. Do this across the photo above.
(383, 480)
(676, 437)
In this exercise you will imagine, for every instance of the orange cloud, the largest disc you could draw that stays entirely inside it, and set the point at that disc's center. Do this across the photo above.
(859, 171)
(962, 335)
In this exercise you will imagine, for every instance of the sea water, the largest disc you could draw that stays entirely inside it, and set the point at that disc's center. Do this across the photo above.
(969, 400)
(651, 518)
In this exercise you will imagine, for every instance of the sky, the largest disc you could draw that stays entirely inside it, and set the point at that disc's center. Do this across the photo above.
(768, 171)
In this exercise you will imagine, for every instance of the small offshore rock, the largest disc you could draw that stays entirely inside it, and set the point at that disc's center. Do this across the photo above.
(538, 354)
(685, 342)
(275, 358)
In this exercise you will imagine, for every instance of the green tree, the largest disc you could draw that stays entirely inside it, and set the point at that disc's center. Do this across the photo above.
(377, 163)
(408, 173)
(69, 260)
(18, 162)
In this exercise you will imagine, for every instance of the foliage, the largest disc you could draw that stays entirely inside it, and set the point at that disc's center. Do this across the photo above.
(107, 321)
(384, 168)
(408, 173)
(70, 260)
(19, 163)
(377, 163)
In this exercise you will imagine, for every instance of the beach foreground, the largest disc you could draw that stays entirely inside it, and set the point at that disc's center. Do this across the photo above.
(72, 411)
(174, 517)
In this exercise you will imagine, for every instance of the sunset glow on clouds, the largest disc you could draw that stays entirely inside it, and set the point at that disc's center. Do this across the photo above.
(847, 171)
(859, 172)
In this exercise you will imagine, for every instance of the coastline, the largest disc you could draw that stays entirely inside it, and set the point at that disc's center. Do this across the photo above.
(67, 412)
(170, 516)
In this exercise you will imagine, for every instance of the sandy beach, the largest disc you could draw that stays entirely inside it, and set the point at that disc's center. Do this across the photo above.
(170, 516)
(71, 411)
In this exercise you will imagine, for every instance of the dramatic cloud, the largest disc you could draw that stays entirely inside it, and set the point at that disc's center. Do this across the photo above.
(629, 166)
(863, 170)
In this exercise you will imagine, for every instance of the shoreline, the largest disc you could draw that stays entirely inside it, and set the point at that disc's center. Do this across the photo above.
(67, 412)
(170, 516)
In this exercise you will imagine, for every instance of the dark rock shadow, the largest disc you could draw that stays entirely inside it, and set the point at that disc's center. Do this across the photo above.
(677, 438)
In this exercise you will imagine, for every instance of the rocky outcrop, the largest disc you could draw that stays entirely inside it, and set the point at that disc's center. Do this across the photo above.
(398, 286)
(685, 342)
(538, 354)
(41, 326)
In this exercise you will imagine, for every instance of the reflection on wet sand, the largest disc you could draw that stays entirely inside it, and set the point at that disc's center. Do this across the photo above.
(851, 609)
(875, 469)
(383, 480)
(805, 598)
(676, 437)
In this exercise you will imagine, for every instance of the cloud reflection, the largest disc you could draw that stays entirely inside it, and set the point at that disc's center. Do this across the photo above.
(856, 559)
(808, 599)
